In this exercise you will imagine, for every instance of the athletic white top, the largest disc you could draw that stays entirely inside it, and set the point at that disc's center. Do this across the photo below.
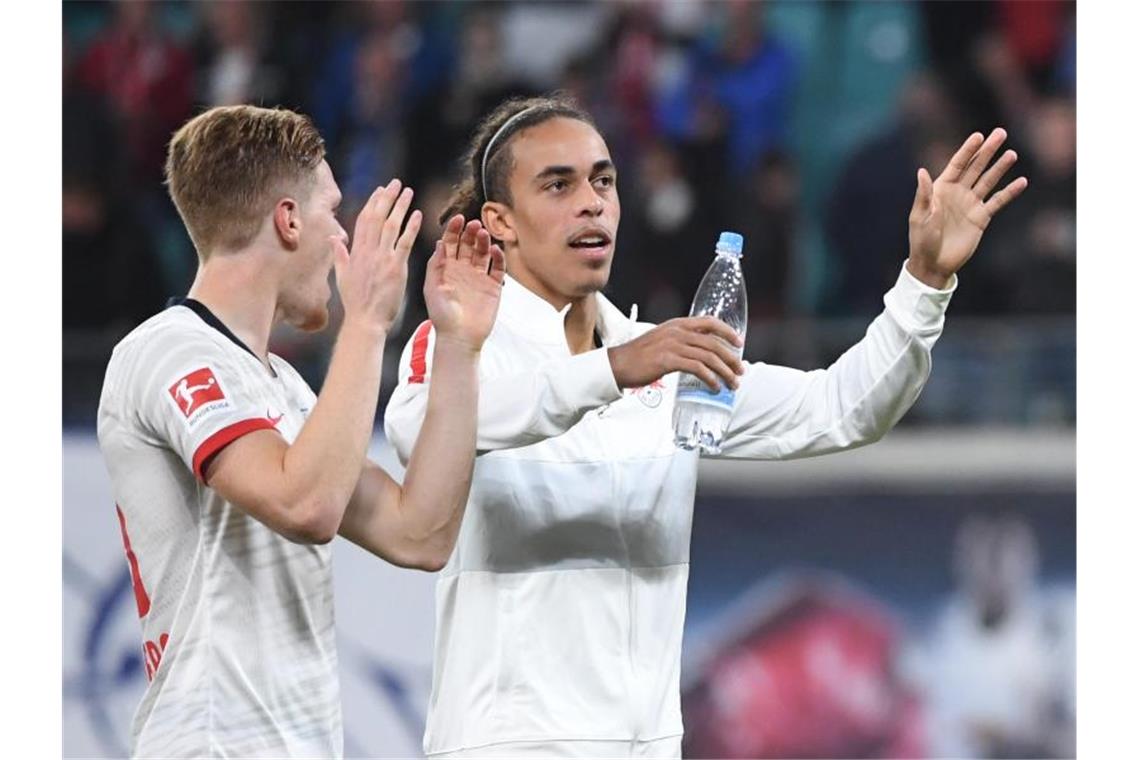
(237, 620)
(559, 615)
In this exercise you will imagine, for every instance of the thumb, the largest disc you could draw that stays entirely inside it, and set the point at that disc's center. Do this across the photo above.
(923, 194)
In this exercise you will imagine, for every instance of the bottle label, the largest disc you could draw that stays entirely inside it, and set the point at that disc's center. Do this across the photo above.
(723, 399)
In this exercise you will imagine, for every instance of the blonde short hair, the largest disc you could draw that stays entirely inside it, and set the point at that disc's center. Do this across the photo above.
(227, 167)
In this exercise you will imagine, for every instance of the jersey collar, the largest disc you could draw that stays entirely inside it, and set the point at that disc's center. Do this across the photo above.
(533, 316)
(209, 318)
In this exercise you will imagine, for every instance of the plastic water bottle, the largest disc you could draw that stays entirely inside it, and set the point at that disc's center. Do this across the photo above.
(700, 415)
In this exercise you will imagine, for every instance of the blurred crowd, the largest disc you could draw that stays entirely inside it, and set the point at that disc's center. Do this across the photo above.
(798, 124)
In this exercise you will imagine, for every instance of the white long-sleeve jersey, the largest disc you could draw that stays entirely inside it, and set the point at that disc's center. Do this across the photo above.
(559, 615)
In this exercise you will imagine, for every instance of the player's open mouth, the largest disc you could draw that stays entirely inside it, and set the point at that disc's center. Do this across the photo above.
(593, 242)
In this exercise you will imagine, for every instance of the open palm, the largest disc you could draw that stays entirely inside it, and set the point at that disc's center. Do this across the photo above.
(464, 282)
(950, 214)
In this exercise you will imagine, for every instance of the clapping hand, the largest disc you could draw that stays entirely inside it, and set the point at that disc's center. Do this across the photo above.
(464, 282)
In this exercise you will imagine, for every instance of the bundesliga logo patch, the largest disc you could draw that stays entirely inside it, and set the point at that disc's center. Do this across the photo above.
(198, 388)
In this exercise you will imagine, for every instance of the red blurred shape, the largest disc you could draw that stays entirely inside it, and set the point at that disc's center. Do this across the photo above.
(811, 677)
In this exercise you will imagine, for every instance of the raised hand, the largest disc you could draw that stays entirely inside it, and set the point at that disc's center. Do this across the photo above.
(371, 280)
(950, 214)
(702, 346)
(463, 283)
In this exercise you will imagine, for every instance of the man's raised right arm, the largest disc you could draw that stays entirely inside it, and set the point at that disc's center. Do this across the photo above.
(301, 489)
(515, 409)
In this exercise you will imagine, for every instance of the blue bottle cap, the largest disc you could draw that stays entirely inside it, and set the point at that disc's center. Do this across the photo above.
(730, 242)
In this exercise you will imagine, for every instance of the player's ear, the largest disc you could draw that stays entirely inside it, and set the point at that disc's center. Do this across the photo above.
(499, 221)
(287, 222)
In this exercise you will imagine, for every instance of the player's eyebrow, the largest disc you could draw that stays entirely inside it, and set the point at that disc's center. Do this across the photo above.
(603, 164)
(555, 171)
(559, 170)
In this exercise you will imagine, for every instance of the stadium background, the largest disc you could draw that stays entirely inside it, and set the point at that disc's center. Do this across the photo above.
(826, 598)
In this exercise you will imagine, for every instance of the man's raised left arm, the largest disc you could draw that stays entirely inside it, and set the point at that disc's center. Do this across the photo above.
(783, 413)
(417, 524)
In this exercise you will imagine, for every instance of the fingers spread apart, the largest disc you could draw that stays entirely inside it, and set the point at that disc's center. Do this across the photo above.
(980, 160)
(404, 244)
(479, 251)
(390, 231)
(451, 232)
(467, 241)
(971, 166)
(1001, 198)
(961, 159)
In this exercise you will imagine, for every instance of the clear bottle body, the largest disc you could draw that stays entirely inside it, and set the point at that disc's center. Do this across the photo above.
(700, 415)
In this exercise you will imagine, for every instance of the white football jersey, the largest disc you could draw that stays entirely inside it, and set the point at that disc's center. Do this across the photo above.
(560, 614)
(237, 620)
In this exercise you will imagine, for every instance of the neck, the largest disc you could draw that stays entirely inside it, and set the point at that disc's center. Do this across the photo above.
(581, 321)
(236, 289)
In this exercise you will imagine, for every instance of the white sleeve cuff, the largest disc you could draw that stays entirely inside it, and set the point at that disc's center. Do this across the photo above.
(916, 306)
(594, 374)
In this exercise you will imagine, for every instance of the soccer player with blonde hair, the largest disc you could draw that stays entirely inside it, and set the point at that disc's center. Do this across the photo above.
(231, 476)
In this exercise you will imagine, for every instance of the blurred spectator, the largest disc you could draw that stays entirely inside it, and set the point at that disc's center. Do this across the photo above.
(665, 245)
(996, 56)
(866, 214)
(360, 100)
(767, 214)
(1036, 247)
(480, 67)
(1035, 31)
(146, 77)
(539, 39)
(478, 79)
(1065, 71)
(994, 670)
(109, 277)
(634, 46)
(740, 79)
(590, 80)
(1005, 79)
(953, 31)
(697, 103)
(373, 145)
(585, 80)
(235, 62)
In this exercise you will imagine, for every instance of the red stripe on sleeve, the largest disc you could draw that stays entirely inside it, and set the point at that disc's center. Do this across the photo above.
(419, 353)
(142, 600)
(224, 437)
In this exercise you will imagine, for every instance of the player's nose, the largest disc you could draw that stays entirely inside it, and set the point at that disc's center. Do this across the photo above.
(591, 203)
